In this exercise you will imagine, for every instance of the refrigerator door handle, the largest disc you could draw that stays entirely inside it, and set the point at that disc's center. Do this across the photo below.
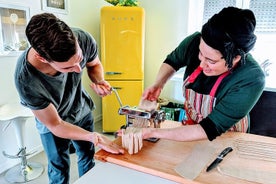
(117, 88)
(113, 73)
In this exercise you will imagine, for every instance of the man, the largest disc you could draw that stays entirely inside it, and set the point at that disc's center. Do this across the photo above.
(48, 80)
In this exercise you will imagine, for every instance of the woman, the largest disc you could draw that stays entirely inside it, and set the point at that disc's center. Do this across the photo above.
(222, 81)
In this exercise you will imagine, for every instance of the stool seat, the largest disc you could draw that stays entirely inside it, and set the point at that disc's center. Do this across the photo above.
(13, 110)
(16, 115)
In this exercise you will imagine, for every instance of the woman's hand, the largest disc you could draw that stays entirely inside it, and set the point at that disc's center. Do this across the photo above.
(152, 93)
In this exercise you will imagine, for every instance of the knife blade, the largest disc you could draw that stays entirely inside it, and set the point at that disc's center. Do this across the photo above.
(219, 158)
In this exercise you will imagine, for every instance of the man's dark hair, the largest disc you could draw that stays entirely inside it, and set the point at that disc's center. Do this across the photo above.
(51, 38)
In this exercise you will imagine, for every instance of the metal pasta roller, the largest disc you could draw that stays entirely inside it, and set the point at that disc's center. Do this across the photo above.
(154, 117)
(147, 118)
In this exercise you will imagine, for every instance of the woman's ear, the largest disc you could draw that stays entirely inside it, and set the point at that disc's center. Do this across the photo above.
(236, 59)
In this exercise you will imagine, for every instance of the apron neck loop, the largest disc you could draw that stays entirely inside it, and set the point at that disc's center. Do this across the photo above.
(215, 87)
(195, 74)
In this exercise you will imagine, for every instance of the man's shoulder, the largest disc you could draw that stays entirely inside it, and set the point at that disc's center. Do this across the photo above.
(78, 30)
(80, 33)
(21, 64)
(84, 38)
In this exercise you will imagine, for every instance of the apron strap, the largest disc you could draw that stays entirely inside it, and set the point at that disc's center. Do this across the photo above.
(215, 87)
(197, 71)
(194, 75)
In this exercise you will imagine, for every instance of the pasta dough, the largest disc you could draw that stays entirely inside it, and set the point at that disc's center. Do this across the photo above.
(140, 122)
(132, 139)
(147, 105)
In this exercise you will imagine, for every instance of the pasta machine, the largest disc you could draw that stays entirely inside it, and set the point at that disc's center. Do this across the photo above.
(151, 118)
(154, 117)
(148, 119)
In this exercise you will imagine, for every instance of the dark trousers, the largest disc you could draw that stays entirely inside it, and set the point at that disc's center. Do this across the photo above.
(57, 151)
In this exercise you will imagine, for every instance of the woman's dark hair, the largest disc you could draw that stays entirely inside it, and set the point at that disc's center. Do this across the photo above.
(51, 38)
(231, 31)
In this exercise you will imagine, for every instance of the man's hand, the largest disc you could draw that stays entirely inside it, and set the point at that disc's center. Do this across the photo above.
(102, 88)
(108, 145)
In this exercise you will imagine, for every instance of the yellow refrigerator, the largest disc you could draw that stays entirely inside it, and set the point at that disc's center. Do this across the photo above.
(122, 56)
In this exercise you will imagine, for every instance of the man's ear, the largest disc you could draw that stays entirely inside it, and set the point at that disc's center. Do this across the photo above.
(40, 58)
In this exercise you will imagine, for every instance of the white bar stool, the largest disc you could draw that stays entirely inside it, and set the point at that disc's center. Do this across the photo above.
(16, 115)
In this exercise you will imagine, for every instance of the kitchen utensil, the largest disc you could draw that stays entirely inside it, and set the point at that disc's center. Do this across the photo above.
(219, 158)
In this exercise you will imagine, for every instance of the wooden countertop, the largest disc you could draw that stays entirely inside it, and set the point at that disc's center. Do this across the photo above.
(161, 158)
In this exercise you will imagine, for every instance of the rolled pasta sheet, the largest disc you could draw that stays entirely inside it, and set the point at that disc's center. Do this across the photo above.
(132, 139)
(131, 143)
(124, 140)
(135, 143)
(140, 122)
(140, 139)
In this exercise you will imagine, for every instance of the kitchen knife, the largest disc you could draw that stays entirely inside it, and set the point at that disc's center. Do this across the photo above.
(219, 158)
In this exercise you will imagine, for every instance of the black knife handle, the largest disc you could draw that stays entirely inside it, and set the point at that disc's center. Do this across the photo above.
(225, 152)
(219, 158)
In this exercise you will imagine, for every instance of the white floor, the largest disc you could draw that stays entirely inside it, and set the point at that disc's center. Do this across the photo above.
(43, 179)
(41, 158)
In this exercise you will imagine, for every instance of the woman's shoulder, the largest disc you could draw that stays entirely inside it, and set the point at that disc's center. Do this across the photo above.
(192, 39)
(251, 67)
(249, 72)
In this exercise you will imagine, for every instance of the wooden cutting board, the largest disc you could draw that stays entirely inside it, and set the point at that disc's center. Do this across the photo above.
(162, 157)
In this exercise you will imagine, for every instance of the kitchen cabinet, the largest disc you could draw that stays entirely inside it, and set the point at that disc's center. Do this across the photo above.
(122, 56)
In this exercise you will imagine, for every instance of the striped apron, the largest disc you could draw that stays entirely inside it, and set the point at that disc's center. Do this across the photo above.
(198, 106)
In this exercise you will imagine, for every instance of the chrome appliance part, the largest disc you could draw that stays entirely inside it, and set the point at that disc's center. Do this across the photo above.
(117, 96)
